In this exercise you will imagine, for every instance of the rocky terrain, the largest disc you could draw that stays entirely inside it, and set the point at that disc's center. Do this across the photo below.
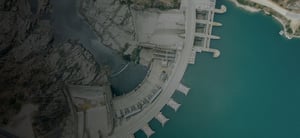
(113, 20)
(292, 5)
(160, 4)
(35, 70)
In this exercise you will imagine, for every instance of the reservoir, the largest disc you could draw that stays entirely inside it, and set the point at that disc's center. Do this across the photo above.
(68, 24)
(251, 91)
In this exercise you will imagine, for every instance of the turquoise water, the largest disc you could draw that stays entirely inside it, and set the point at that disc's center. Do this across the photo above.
(251, 91)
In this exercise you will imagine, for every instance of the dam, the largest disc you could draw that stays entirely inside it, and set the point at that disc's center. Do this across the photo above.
(168, 42)
(169, 62)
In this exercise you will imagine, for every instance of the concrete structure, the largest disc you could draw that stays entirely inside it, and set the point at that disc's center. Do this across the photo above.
(132, 136)
(160, 28)
(183, 89)
(205, 15)
(216, 52)
(207, 36)
(170, 47)
(161, 118)
(168, 37)
(134, 110)
(173, 104)
(94, 111)
(192, 58)
(148, 131)
(222, 10)
(207, 22)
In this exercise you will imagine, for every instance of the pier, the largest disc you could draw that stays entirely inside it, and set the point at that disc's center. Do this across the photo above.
(207, 36)
(161, 118)
(173, 104)
(204, 24)
(183, 89)
(216, 52)
(207, 22)
(222, 10)
(147, 130)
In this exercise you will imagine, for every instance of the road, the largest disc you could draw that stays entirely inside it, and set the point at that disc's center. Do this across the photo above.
(138, 121)
(289, 15)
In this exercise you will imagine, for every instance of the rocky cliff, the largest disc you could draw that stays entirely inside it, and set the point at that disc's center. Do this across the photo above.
(35, 70)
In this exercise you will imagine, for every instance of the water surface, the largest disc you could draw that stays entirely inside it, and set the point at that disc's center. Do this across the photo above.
(251, 91)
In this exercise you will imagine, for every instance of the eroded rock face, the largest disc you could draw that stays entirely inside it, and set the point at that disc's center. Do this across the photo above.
(16, 20)
(16, 39)
(34, 70)
(112, 21)
(160, 4)
(73, 64)
(68, 63)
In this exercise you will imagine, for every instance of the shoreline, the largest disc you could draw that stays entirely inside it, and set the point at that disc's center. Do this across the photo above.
(245, 7)
(279, 19)
(284, 30)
